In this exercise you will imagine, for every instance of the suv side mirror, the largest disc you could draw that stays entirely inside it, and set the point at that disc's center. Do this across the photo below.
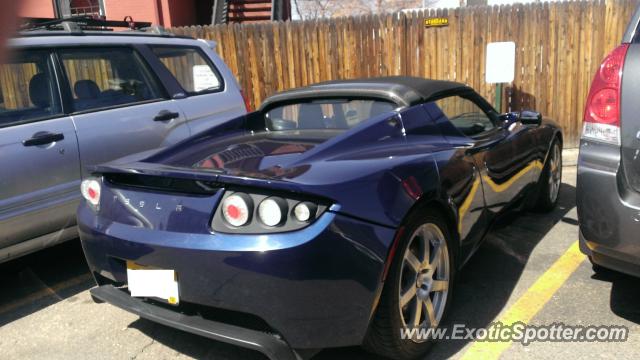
(528, 117)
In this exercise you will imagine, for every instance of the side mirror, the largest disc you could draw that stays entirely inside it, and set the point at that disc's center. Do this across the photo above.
(528, 117)
(508, 119)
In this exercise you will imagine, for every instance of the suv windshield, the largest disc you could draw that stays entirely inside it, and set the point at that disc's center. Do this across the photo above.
(333, 114)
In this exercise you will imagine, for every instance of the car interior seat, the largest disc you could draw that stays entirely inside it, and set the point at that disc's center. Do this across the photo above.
(87, 94)
(40, 91)
(310, 117)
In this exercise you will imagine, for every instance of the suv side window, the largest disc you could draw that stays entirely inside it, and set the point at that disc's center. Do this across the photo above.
(191, 68)
(465, 115)
(28, 90)
(108, 77)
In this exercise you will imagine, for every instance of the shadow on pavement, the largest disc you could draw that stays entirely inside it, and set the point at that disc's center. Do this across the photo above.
(483, 288)
(625, 291)
(488, 279)
(191, 345)
(42, 279)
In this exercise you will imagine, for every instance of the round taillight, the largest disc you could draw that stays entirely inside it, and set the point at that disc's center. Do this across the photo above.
(304, 211)
(271, 211)
(604, 106)
(236, 209)
(90, 190)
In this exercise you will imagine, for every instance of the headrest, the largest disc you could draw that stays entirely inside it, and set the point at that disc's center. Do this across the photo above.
(40, 90)
(86, 89)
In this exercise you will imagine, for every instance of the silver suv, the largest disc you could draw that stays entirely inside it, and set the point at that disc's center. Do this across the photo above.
(608, 186)
(71, 98)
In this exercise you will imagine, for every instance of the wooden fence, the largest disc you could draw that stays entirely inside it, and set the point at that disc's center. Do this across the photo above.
(559, 47)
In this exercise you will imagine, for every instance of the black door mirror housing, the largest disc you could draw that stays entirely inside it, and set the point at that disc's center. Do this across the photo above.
(508, 119)
(528, 117)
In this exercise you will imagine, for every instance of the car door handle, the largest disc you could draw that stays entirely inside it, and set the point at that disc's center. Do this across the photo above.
(166, 115)
(43, 138)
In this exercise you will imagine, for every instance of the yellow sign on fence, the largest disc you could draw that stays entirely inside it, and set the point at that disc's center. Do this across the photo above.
(436, 22)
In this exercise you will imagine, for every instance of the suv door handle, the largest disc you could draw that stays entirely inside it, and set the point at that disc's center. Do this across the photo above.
(166, 115)
(43, 138)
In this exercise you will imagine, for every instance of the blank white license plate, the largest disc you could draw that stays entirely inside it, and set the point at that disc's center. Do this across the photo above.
(148, 282)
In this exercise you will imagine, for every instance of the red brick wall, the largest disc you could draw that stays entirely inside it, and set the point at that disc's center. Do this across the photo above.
(160, 12)
(36, 8)
(183, 12)
(139, 10)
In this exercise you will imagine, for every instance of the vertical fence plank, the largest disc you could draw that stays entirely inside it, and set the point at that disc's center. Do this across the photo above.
(559, 48)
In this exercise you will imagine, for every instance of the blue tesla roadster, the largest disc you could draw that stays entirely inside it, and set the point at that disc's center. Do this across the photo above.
(335, 215)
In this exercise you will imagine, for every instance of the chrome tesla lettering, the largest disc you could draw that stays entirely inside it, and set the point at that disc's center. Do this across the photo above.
(143, 203)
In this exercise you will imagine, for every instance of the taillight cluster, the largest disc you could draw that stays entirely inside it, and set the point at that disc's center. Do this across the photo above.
(90, 189)
(254, 213)
(602, 111)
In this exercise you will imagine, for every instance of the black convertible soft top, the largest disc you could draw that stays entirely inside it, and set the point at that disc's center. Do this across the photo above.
(402, 90)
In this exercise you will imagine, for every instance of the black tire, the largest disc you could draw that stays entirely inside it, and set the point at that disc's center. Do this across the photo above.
(383, 336)
(545, 202)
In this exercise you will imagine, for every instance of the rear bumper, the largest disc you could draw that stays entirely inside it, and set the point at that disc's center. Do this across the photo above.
(608, 210)
(316, 287)
(610, 259)
(268, 344)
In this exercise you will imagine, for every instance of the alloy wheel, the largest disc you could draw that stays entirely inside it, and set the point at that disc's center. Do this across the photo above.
(425, 277)
(555, 173)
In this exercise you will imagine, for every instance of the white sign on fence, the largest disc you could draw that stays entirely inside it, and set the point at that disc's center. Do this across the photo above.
(501, 62)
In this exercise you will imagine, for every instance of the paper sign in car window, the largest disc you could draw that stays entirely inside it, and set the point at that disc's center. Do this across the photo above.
(204, 78)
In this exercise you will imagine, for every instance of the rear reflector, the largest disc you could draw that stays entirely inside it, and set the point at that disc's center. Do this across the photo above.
(602, 110)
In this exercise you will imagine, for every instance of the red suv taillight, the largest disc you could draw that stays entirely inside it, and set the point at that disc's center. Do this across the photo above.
(602, 111)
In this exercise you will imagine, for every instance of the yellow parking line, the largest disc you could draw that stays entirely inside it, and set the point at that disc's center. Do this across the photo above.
(47, 291)
(531, 302)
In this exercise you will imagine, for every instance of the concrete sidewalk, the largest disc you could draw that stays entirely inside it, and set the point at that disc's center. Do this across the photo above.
(570, 157)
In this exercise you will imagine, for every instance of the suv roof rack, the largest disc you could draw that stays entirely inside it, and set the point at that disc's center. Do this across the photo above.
(79, 23)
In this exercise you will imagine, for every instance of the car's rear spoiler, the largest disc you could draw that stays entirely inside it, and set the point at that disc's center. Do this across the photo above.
(210, 176)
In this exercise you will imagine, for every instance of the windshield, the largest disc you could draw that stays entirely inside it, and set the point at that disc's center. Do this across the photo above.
(334, 114)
